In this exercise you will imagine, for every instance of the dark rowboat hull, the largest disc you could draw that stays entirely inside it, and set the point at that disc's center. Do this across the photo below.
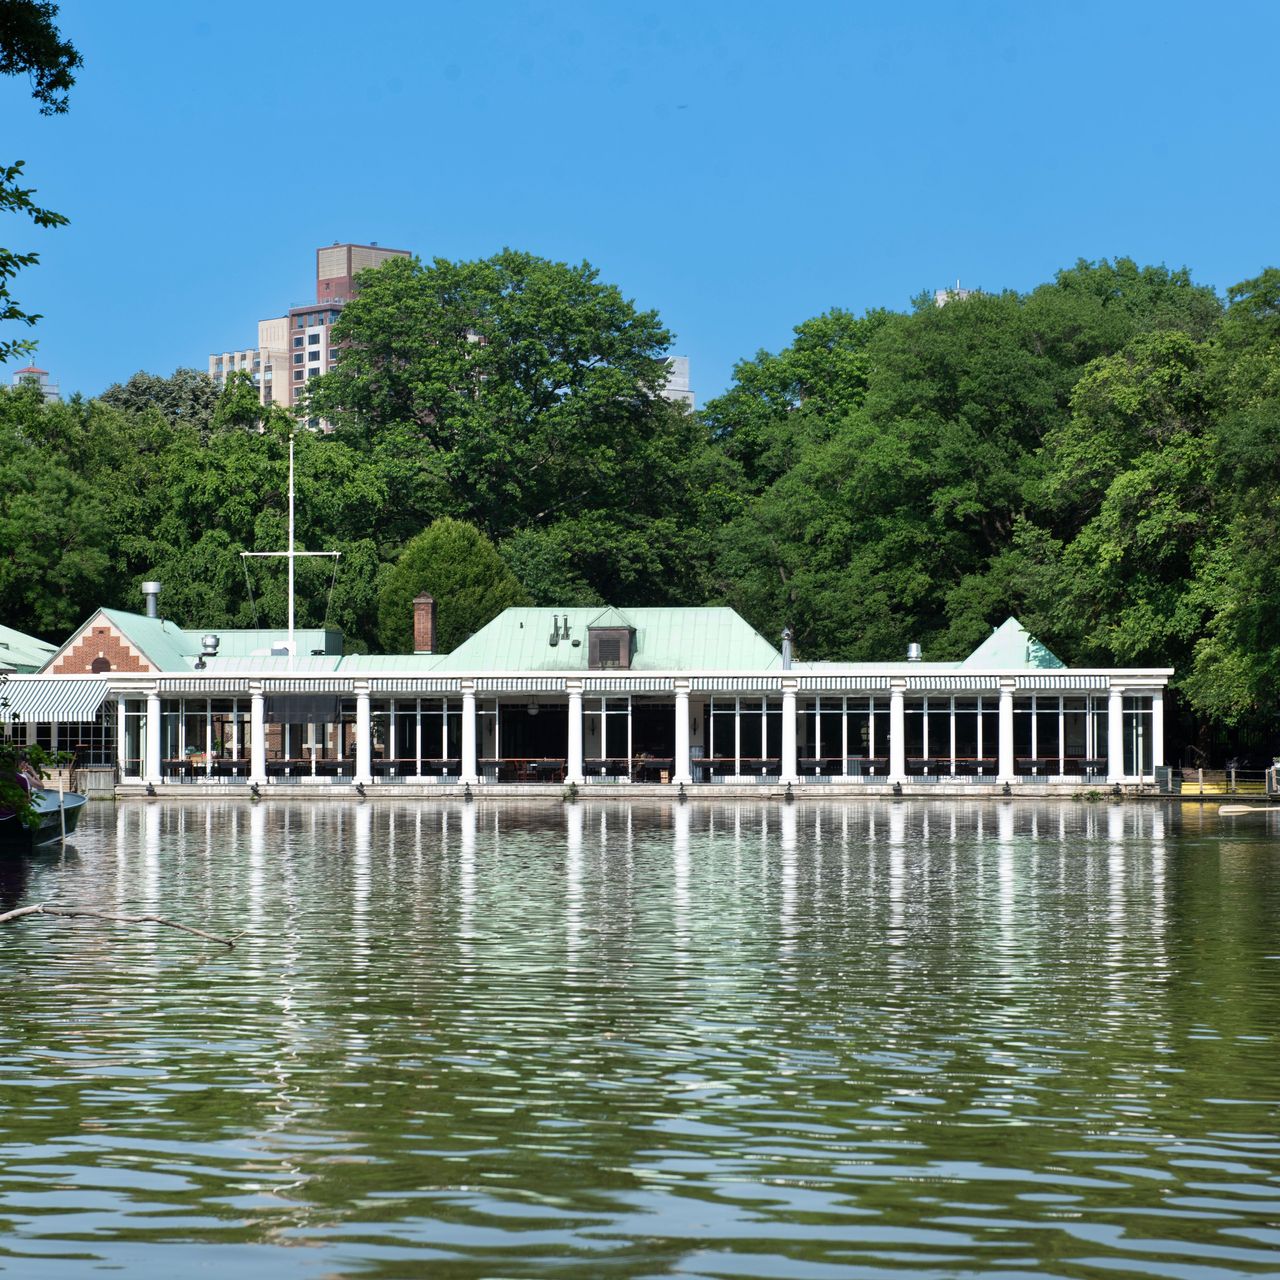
(16, 838)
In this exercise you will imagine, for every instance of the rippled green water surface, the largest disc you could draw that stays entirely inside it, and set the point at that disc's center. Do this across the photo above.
(828, 1041)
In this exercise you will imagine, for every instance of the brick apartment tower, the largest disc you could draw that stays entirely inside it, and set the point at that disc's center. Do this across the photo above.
(294, 348)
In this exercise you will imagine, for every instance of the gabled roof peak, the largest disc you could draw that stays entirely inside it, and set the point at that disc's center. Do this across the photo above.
(1011, 646)
(611, 617)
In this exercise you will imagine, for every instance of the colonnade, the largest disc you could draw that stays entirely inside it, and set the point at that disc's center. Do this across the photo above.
(789, 772)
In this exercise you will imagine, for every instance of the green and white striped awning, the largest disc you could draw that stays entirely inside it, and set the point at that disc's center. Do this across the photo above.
(67, 699)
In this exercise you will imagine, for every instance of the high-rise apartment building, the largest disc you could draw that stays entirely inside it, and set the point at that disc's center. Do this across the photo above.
(294, 348)
(677, 386)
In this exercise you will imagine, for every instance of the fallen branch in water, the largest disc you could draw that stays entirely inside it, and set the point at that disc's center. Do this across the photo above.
(44, 909)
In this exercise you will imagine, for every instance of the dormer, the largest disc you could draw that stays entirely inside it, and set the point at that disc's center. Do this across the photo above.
(610, 642)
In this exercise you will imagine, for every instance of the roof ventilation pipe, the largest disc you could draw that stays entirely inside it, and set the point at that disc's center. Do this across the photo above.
(914, 652)
(786, 648)
(151, 592)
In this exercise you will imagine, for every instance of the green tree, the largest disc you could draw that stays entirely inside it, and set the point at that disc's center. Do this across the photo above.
(529, 388)
(458, 566)
(30, 45)
(523, 396)
(54, 521)
(778, 401)
(911, 505)
(186, 397)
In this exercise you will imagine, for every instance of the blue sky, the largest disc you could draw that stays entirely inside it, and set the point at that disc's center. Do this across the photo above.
(739, 167)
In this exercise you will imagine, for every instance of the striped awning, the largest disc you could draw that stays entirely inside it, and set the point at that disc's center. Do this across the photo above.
(520, 684)
(203, 684)
(1064, 682)
(66, 700)
(953, 682)
(628, 684)
(415, 684)
(840, 684)
(735, 684)
(308, 684)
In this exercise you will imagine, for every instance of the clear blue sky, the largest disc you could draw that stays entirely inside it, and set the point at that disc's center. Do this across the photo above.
(739, 167)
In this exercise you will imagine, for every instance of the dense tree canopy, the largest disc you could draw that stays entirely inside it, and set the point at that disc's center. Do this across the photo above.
(1099, 456)
(524, 396)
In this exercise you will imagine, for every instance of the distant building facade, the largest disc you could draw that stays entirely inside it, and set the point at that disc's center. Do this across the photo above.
(31, 376)
(942, 296)
(296, 347)
(677, 388)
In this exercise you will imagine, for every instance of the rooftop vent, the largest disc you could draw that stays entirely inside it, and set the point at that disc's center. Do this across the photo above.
(209, 646)
(914, 652)
(151, 592)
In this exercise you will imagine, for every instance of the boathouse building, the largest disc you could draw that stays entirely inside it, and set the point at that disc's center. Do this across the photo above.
(649, 697)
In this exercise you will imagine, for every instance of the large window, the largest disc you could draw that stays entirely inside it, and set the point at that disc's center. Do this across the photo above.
(840, 736)
(417, 737)
(1138, 740)
(204, 738)
(1057, 735)
(952, 735)
(607, 729)
(745, 737)
(135, 738)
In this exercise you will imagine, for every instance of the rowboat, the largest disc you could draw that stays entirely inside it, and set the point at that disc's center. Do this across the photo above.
(53, 810)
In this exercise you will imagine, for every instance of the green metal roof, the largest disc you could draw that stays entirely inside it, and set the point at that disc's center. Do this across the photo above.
(609, 617)
(169, 647)
(700, 639)
(165, 645)
(20, 652)
(1011, 647)
(380, 663)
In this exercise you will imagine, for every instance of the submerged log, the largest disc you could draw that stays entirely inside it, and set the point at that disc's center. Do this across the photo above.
(48, 909)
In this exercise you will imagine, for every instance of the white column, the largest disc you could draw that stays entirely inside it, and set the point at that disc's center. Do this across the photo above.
(1157, 728)
(790, 769)
(469, 774)
(258, 736)
(1115, 735)
(680, 773)
(573, 769)
(1004, 764)
(122, 738)
(364, 738)
(897, 733)
(152, 771)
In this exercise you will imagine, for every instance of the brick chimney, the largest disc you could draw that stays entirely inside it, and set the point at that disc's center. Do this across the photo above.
(424, 624)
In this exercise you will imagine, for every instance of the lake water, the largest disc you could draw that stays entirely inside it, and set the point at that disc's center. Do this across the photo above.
(739, 1040)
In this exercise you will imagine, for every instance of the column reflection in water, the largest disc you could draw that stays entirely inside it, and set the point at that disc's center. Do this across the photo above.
(680, 887)
(574, 818)
(897, 869)
(149, 882)
(1115, 976)
(1007, 878)
(256, 861)
(788, 860)
(468, 828)
(361, 880)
